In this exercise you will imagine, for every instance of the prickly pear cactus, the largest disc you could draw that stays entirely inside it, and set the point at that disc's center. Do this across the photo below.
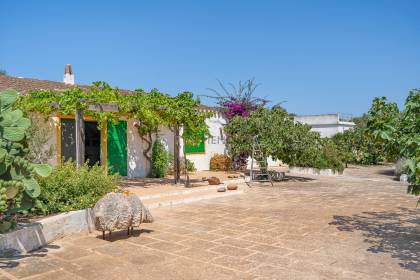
(18, 188)
(117, 211)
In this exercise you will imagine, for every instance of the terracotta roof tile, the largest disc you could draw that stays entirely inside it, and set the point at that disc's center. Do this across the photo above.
(23, 85)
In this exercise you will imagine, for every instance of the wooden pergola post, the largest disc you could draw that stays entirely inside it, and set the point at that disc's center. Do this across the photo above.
(177, 171)
(80, 138)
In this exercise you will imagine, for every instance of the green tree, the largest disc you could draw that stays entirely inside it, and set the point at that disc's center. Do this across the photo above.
(184, 112)
(282, 138)
(358, 146)
(150, 111)
(382, 120)
(400, 132)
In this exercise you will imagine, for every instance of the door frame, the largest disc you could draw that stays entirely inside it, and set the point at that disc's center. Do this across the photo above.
(104, 138)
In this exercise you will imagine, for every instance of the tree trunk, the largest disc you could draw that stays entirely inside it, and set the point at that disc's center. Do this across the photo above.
(187, 177)
(148, 141)
(177, 171)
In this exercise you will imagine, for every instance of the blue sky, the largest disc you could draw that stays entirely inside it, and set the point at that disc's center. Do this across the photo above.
(318, 56)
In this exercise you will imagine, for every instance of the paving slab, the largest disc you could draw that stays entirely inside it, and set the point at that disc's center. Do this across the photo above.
(360, 225)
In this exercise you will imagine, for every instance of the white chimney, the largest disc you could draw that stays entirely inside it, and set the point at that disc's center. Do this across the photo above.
(68, 75)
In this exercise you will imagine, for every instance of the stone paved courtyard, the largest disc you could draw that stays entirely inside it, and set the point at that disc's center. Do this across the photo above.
(357, 226)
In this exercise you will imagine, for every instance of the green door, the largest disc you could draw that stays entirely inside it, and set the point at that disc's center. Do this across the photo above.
(117, 148)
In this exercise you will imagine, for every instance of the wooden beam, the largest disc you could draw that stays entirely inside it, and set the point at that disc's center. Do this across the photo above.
(106, 107)
(80, 137)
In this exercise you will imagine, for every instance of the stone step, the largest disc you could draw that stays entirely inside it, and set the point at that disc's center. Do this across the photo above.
(185, 198)
(180, 192)
(186, 191)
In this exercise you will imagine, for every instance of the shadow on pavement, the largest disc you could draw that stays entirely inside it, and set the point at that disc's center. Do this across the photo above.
(289, 178)
(11, 258)
(387, 172)
(396, 233)
(122, 234)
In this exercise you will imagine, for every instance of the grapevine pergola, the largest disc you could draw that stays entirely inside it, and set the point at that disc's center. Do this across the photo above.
(105, 104)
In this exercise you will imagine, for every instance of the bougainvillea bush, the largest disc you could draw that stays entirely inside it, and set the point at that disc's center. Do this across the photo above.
(238, 102)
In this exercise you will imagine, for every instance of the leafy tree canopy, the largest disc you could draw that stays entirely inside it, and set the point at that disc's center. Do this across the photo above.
(282, 138)
(400, 132)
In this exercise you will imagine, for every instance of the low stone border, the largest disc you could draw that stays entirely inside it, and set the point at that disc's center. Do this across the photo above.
(314, 171)
(38, 234)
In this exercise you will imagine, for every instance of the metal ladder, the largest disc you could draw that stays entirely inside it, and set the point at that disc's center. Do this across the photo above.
(261, 174)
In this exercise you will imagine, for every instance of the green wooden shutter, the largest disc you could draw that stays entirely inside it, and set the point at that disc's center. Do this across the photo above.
(200, 148)
(117, 148)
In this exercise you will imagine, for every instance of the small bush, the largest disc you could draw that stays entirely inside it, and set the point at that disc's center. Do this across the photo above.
(69, 188)
(159, 159)
(220, 163)
(190, 165)
(325, 156)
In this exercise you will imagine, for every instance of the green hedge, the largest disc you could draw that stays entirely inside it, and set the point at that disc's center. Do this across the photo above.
(69, 188)
(326, 155)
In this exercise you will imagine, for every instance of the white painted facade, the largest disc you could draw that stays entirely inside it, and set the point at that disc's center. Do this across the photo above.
(327, 125)
(216, 144)
(138, 165)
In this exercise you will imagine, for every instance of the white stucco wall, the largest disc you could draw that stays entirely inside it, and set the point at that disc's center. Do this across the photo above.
(138, 165)
(330, 130)
(48, 126)
(327, 125)
(213, 145)
(318, 119)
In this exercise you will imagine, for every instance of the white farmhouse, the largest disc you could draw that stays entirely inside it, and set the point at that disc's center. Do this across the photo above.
(327, 124)
(119, 147)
